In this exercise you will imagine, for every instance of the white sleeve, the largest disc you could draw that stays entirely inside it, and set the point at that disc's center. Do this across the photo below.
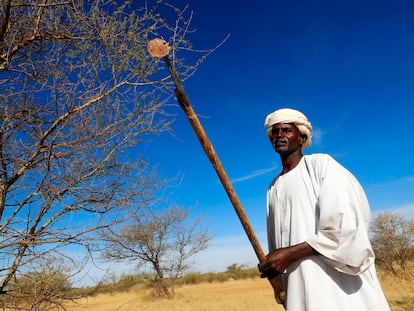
(342, 221)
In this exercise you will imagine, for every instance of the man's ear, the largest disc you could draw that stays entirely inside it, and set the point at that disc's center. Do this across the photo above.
(303, 138)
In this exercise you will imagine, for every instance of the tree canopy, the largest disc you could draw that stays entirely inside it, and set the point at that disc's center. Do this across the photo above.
(78, 92)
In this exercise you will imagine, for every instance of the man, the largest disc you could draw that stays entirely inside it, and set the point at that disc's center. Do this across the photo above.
(317, 219)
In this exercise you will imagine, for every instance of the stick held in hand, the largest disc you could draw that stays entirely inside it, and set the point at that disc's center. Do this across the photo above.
(182, 98)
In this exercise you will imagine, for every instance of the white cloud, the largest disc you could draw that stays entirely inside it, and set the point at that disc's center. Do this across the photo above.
(406, 210)
(227, 250)
(409, 179)
(317, 136)
(255, 173)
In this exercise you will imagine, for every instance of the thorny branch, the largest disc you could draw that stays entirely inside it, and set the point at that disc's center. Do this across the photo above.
(78, 92)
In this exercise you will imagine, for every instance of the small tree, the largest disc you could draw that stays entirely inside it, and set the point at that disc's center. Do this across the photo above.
(163, 241)
(392, 240)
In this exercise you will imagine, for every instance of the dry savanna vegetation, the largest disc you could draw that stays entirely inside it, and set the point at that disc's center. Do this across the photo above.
(79, 95)
(251, 293)
(246, 294)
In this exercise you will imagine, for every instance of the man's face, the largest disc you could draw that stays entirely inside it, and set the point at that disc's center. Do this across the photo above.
(285, 138)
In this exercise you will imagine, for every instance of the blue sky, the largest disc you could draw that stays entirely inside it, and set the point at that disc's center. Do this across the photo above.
(348, 65)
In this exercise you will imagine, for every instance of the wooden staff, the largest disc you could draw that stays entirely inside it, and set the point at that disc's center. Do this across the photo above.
(161, 50)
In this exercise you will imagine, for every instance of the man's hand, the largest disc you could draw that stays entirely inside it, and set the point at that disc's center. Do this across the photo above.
(277, 261)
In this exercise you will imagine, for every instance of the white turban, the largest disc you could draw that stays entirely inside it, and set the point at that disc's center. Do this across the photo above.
(287, 115)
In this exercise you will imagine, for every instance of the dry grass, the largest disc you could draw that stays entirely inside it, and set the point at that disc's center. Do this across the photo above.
(247, 294)
(399, 291)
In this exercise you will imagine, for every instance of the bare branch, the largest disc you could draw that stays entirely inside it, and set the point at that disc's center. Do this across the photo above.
(78, 94)
(165, 241)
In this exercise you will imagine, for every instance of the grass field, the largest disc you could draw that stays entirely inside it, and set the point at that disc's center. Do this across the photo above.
(236, 295)
(248, 294)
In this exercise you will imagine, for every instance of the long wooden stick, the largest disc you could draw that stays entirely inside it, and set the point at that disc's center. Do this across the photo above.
(207, 146)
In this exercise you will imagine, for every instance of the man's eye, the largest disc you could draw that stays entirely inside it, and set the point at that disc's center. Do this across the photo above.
(282, 130)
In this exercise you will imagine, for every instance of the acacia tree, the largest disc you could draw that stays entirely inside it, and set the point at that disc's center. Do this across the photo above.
(77, 92)
(164, 241)
(392, 240)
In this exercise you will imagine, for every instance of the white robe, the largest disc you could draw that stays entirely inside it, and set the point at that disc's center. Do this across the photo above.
(322, 203)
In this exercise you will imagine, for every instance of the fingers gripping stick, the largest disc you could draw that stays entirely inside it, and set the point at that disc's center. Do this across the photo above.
(159, 48)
